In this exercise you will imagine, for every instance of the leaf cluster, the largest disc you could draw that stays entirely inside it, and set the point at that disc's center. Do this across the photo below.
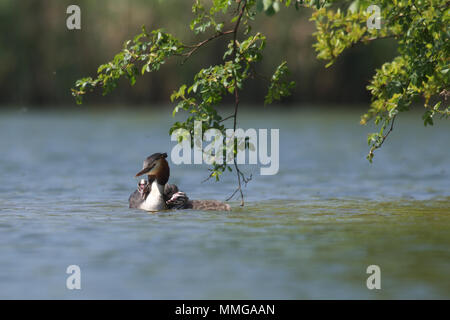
(420, 71)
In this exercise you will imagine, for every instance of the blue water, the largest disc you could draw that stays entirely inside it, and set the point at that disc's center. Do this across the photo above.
(308, 232)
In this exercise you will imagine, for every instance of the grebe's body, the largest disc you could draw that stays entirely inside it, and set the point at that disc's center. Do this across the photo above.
(145, 198)
(155, 199)
(158, 195)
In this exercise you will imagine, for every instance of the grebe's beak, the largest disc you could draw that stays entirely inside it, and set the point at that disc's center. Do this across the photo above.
(146, 170)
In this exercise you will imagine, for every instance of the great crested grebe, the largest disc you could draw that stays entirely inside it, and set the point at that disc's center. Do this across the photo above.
(157, 194)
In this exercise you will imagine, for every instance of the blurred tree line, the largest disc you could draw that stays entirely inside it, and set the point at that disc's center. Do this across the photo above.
(40, 59)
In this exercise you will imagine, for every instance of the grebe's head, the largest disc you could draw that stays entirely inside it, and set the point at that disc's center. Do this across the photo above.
(156, 167)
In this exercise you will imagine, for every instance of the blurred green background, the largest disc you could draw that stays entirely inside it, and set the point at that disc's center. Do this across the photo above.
(41, 59)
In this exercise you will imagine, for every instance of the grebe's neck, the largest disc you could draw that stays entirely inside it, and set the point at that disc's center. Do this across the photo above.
(155, 200)
(157, 189)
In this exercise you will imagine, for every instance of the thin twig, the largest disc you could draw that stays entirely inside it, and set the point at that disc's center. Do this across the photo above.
(379, 144)
(236, 99)
(387, 134)
(209, 177)
(257, 74)
(363, 41)
(202, 43)
(227, 118)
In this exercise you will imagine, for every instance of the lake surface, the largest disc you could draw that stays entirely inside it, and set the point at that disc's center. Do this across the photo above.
(310, 231)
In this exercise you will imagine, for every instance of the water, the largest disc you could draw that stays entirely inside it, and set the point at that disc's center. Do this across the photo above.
(308, 232)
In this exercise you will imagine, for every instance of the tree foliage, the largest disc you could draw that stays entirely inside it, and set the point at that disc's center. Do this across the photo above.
(420, 28)
(420, 70)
